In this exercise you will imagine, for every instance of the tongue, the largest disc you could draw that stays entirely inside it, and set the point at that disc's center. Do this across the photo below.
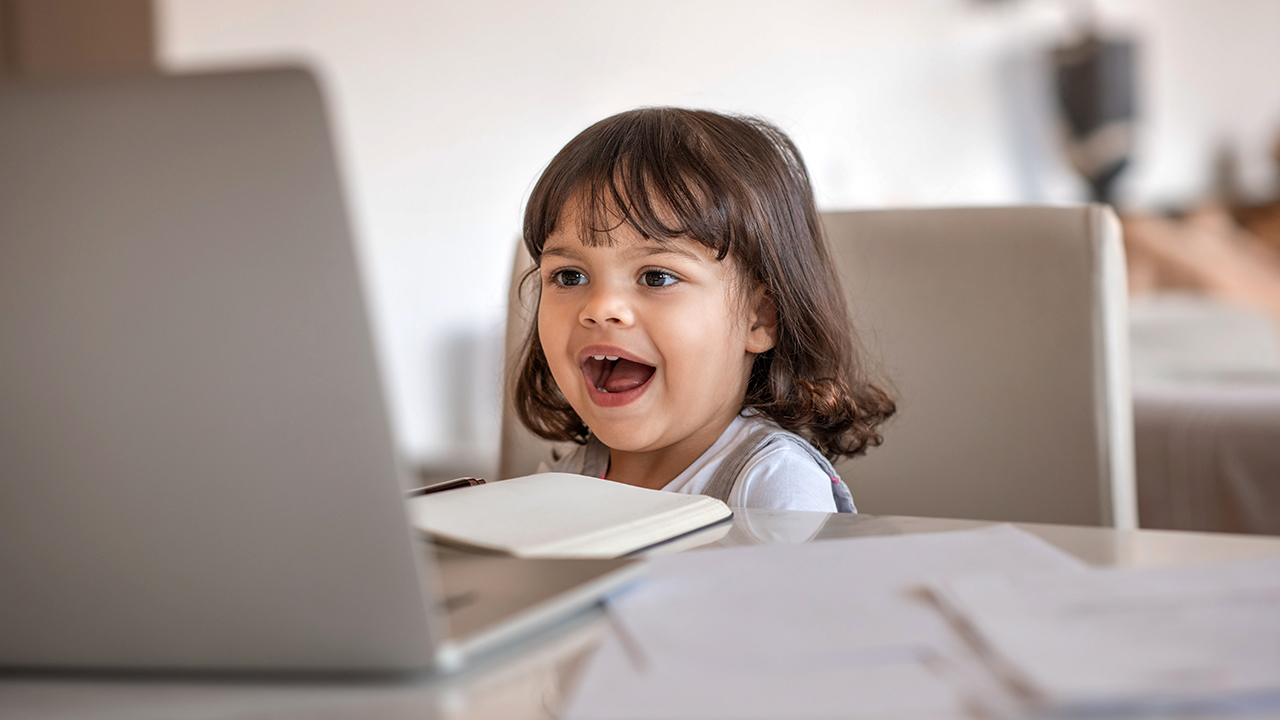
(627, 375)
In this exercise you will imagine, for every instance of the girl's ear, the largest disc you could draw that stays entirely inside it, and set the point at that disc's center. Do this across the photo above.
(762, 323)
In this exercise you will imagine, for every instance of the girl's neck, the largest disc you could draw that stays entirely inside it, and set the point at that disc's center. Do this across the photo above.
(654, 469)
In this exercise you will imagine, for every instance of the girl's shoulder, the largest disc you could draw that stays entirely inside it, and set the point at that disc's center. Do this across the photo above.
(782, 474)
(769, 467)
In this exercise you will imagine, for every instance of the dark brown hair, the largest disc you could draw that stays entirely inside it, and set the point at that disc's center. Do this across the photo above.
(738, 186)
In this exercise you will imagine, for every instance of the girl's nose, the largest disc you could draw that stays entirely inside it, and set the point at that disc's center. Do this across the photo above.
(606, 306)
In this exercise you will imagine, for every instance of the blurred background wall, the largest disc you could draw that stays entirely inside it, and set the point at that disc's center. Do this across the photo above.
(445, 112)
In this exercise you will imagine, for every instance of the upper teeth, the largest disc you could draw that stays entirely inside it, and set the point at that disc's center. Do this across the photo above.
(605, 357)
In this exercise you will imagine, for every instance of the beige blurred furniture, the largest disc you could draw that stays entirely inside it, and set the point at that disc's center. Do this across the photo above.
(1208, 455)
(1206, 391)
(533, 681)
(1003, 334)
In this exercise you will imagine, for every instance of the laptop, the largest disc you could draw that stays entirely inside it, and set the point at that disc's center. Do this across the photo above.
(196, 465)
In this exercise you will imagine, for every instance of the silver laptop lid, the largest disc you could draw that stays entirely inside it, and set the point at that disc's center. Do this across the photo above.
(196, 469)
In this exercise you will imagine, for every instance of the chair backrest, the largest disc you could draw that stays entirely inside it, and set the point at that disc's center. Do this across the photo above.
(521, 450)
(1003, 335)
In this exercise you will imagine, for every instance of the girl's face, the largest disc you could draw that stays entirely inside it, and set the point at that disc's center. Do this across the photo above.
(650, 343)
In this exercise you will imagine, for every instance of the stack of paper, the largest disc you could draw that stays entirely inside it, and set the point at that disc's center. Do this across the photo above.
(994, 622)
(1168, 641)
(839, 628)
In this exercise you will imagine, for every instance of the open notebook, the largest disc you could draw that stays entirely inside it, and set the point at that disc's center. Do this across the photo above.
(562, 515)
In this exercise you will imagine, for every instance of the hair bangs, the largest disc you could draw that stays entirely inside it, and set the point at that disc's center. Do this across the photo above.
(662, 183)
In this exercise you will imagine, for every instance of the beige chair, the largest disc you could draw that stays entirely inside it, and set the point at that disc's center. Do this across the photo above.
(521, 450)
(1003, 334)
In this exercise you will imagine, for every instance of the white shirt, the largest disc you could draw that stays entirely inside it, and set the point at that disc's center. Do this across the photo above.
(781, 477)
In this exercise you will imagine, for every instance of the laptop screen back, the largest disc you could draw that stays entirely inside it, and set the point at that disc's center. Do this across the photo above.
(196, 469)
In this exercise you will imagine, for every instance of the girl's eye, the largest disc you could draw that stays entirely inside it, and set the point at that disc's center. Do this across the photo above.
(658, 278)
(568, 278)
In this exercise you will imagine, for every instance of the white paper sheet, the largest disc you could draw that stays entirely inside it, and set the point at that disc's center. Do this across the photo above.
(1203, 639)
(833, 628)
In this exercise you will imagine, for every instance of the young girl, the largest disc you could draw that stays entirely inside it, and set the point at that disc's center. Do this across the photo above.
(691, 334)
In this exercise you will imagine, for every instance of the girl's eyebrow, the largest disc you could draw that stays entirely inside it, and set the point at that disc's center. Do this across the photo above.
(633, 252)
(649, 249)
(559, 251)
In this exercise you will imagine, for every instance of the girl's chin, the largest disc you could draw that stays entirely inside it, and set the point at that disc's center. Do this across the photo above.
(621, 437)
(620, 429)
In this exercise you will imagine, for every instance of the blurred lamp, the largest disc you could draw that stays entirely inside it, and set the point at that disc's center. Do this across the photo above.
(1095, 86)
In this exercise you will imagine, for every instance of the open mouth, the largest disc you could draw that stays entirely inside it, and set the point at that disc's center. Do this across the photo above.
(609, 374)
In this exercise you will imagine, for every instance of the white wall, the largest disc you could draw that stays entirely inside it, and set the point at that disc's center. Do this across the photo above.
(445, 112)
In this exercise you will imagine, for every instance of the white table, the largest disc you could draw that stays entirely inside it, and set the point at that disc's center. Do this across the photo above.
(531, 679)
